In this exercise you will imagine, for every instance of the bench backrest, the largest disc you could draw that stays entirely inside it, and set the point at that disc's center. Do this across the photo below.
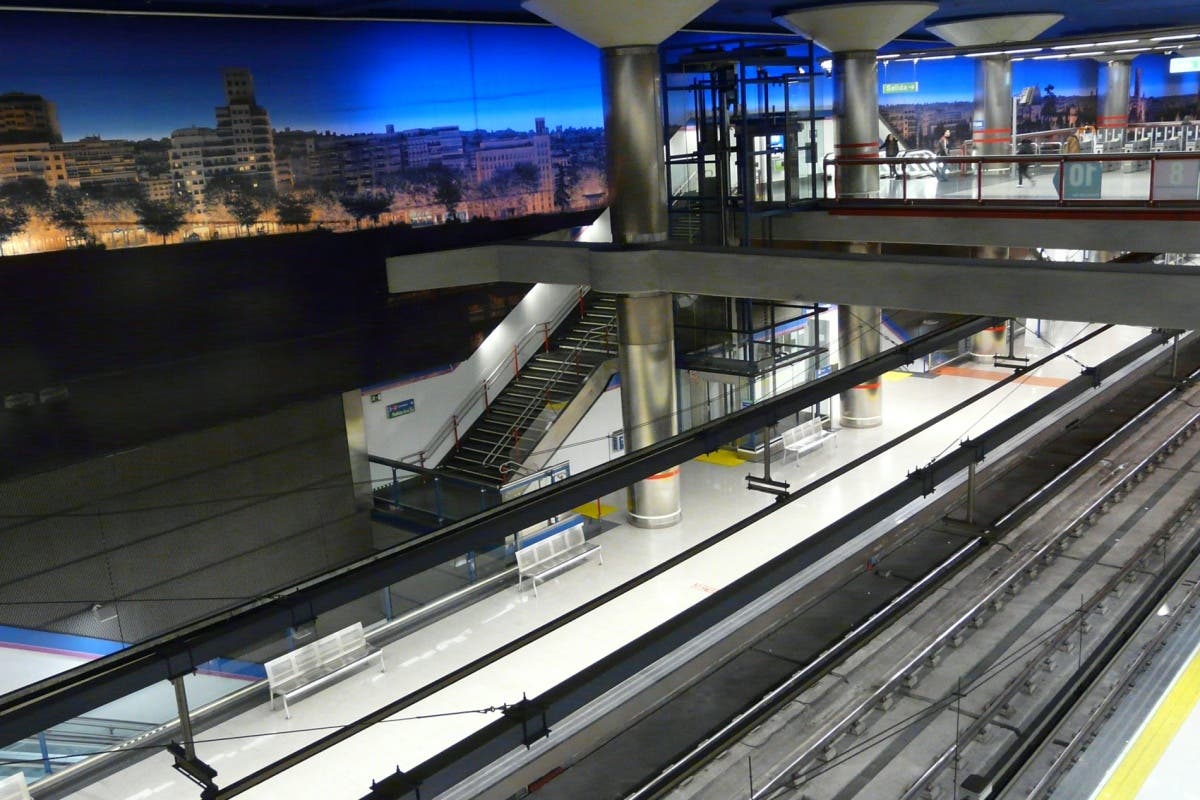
(14, 788)
(309, 658)
(547, 548)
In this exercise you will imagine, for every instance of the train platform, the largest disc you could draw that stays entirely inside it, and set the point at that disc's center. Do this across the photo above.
(714, 496)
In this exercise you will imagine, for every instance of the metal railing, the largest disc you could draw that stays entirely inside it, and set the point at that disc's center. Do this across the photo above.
(537, 337)
(1172, 178)
(569, 368)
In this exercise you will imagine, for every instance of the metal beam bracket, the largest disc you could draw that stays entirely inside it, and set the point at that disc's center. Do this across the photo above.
(194, 770)
(532, 717)
(397, 786)
(777, 488)
(924, 475)
(1094, 374)
(977, 448)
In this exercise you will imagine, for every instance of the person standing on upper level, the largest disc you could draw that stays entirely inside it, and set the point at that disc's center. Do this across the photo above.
(891, 149)
(942, 150)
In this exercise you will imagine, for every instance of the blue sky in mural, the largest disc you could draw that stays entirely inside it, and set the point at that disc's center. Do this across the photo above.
(135, 77)
(953, 79)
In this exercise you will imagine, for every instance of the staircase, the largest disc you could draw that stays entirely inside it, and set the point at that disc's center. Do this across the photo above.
(514, 422)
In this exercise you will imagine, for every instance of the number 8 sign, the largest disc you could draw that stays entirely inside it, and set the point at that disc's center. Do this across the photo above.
(1176, 179)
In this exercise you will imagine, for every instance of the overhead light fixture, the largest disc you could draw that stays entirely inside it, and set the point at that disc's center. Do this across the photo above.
(1083, 46)
(1090, 54)
(1174, 38)
(1134, 50)
(1023, 50)
(887, 57)
(1119, 41)
(984, 55)
(1048, 58)
(933, 58)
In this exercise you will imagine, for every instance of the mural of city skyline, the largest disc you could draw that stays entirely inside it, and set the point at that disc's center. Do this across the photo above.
(128, 130)
(1066, 93)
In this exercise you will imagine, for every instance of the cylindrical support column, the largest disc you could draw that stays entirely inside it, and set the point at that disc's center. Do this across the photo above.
(992, 128)
(646, 335)
(858, 338)
(991, 341)
(1114, 98)
(633, 128)
(856, 106)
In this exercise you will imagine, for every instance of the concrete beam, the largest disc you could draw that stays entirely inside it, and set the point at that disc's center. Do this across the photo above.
(1064, 229)
(1130, 294)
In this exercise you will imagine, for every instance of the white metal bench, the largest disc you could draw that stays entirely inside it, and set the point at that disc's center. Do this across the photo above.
(320, 662)
(14, 788)
(805, 437)
(556, 552)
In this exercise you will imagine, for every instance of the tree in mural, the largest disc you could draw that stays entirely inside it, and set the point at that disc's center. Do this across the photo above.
(158, 217)
(1050, 107)
(13, 219)
(294, 209)
(563, 181)
(68, 212)
(245, 207)
(447, 191)
(244, 198)
(366, 204)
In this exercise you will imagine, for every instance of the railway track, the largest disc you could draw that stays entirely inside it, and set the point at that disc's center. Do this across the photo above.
(949, 693)
(818, 647)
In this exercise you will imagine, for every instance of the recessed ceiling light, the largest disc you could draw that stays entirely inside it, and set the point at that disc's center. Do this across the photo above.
(1047, 58)
(1088, 54)
(1024, 50)
(1119, 41)
(984, 55)
(1134, 50)
(1174, 38)
(933, 58)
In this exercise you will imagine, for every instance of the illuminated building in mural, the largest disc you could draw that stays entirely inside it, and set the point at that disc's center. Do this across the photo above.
(28, 119)
(242, 144)
(246, 127)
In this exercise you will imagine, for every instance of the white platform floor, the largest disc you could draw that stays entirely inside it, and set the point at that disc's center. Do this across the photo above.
(713, 498)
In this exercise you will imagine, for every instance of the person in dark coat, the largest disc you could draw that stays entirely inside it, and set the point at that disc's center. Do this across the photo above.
(1025, 148)
(942, 149)
(891, 149)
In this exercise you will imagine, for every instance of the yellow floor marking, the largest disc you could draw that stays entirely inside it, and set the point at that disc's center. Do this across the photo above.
(595, 510)
(722, 458)
(896, 376)
(1144, 754)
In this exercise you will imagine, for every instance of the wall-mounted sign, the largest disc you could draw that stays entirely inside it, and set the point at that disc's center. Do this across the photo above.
(1176, 180)
(1082, 180)
(901, 88)
(1185, 64)
(401, 408)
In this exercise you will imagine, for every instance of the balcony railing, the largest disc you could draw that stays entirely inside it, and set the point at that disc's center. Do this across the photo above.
(1135, 177)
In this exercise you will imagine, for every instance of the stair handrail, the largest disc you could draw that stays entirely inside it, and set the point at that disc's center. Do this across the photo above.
(467, 411)
(535, 405)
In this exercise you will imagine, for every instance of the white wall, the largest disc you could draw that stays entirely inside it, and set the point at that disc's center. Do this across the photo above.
(438, 396)
(588, 445)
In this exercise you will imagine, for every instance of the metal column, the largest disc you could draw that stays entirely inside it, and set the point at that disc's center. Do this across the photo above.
(994, 341)
(856, 105)
(1114, 99)
(993, 105)
(858, 338)
(633, 127)
(646, 334)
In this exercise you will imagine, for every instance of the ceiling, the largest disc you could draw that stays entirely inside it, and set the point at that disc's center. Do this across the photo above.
(1082, 18)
